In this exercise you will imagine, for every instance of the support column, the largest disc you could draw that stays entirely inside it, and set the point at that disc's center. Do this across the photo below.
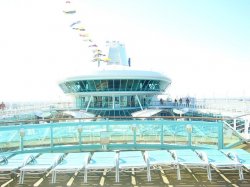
(162, 135)
(139, 101)
(235, 120)
(51, 138)
(113, 102)
(91, 97)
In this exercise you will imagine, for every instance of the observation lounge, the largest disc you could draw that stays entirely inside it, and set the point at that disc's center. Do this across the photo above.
(116, 89)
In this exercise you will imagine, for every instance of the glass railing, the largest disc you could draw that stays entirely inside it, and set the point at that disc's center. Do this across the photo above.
(113, 134)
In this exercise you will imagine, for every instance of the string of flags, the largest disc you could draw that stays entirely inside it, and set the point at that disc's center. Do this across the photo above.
(77, 25)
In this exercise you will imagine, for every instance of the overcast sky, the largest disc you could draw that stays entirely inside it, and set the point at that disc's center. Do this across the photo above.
(203, 46)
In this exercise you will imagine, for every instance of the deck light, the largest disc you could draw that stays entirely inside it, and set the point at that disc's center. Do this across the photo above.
(79, 129)
(22, 132)
(189, 128)
(133, 127)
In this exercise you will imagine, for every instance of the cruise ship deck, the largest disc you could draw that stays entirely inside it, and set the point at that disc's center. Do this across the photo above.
(119, 132)
(150, 152)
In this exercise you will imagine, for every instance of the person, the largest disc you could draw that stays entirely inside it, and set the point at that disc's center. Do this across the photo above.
(161, 101)
(180, 101)
(175, 102)
(187, 101)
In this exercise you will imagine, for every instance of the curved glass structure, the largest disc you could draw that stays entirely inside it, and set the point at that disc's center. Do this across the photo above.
(100, 85)
(116, 90)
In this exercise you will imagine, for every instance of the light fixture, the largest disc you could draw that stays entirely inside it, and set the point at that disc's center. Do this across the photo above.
(22, 132)
(189, 128)
(79, 129)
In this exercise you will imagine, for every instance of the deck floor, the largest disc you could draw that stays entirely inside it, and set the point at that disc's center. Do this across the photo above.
(190, 178)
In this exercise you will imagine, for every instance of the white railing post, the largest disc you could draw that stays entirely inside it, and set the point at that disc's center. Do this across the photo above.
(235, 120)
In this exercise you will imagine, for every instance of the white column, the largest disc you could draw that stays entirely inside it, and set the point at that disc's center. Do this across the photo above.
(139, 101)
(235, 124)
(91, 97)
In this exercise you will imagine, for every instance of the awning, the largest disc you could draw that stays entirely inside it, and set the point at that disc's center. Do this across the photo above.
(146, 113)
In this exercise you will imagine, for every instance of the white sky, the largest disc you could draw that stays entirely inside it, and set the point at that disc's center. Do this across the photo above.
(203, 47)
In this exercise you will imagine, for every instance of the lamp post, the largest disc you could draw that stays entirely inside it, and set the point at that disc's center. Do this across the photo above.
(133, 128)
(189, 130)
(79, 129)
(22, 134)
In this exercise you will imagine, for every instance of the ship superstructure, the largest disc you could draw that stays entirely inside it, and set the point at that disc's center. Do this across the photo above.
(115, 89)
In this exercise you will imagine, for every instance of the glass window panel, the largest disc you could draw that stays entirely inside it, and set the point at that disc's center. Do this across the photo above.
(116, 85)
(91, 85)
(104, 85)
(110, 102)
(141, 85)
(157, 85)
(82, 87)
(64, 88)
(129, 85)
(110, 85)
(98, 85)
(150, 86)
(145, 85)
(68, 86)
(135, 85)
(163, 85)
(77, 86)
(153, 85)
(123, 85)
(123, 101)
(72, 86)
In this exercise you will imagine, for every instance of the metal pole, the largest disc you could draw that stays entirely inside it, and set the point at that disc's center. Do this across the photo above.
(21, 143)
(189, 139)
(89, 103)
(162, 135)
(79, 129)
(51, 138)
(133, 128)
(189, 130)
(22, 134)
(136, 96)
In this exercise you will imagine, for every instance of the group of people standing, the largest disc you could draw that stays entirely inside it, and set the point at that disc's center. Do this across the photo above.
(185, 102)
(179, 103)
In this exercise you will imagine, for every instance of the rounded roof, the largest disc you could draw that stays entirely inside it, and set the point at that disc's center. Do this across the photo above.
(118, 72)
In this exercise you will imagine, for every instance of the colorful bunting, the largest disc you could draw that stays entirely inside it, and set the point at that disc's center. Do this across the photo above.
(76, 25)
(69, 11)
